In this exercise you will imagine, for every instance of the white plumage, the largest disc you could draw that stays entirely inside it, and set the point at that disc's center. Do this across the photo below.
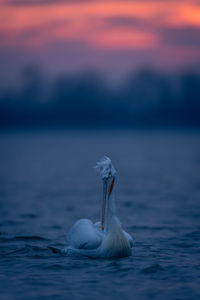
(106, 238)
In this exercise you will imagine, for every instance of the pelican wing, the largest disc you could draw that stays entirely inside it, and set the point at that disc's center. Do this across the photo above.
(84, 235)
(129, 238)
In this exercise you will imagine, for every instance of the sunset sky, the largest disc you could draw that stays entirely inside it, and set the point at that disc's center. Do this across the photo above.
(111, 36)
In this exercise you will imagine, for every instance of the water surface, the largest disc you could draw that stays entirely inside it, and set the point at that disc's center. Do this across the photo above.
(47, 182)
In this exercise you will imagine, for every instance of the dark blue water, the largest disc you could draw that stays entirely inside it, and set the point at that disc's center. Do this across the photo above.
(47, 182)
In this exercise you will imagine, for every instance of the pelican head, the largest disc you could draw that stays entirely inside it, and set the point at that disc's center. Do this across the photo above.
(108, 173)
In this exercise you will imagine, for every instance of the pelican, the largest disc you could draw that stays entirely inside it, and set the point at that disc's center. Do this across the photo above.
(105, 239)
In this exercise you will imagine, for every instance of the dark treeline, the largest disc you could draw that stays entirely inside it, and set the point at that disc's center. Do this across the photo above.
(147, 98)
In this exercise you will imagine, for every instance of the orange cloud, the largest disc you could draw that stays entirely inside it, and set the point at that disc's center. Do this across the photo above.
(124, 39)
(187, 14)
(37, 25)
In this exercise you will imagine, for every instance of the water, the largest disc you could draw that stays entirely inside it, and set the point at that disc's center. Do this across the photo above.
(47, 182)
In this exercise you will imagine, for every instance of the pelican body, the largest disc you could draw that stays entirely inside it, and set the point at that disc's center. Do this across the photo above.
(105, 239)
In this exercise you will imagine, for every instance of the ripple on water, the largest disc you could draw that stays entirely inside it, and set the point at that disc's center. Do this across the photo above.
(194, 235)
(152, 269)
(29, 250)
(22, 238)
(28, 216)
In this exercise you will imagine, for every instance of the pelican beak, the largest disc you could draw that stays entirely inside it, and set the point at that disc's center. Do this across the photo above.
(108, 184)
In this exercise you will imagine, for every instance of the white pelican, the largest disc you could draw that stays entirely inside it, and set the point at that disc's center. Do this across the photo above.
(106, 238)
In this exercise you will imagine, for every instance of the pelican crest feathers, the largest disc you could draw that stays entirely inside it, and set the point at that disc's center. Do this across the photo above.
(105, 167)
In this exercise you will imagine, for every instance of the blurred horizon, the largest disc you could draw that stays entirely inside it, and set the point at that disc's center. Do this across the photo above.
(147, 98)
(99, 63)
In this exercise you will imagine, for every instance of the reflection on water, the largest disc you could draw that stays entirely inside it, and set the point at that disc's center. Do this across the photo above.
(47, 182)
